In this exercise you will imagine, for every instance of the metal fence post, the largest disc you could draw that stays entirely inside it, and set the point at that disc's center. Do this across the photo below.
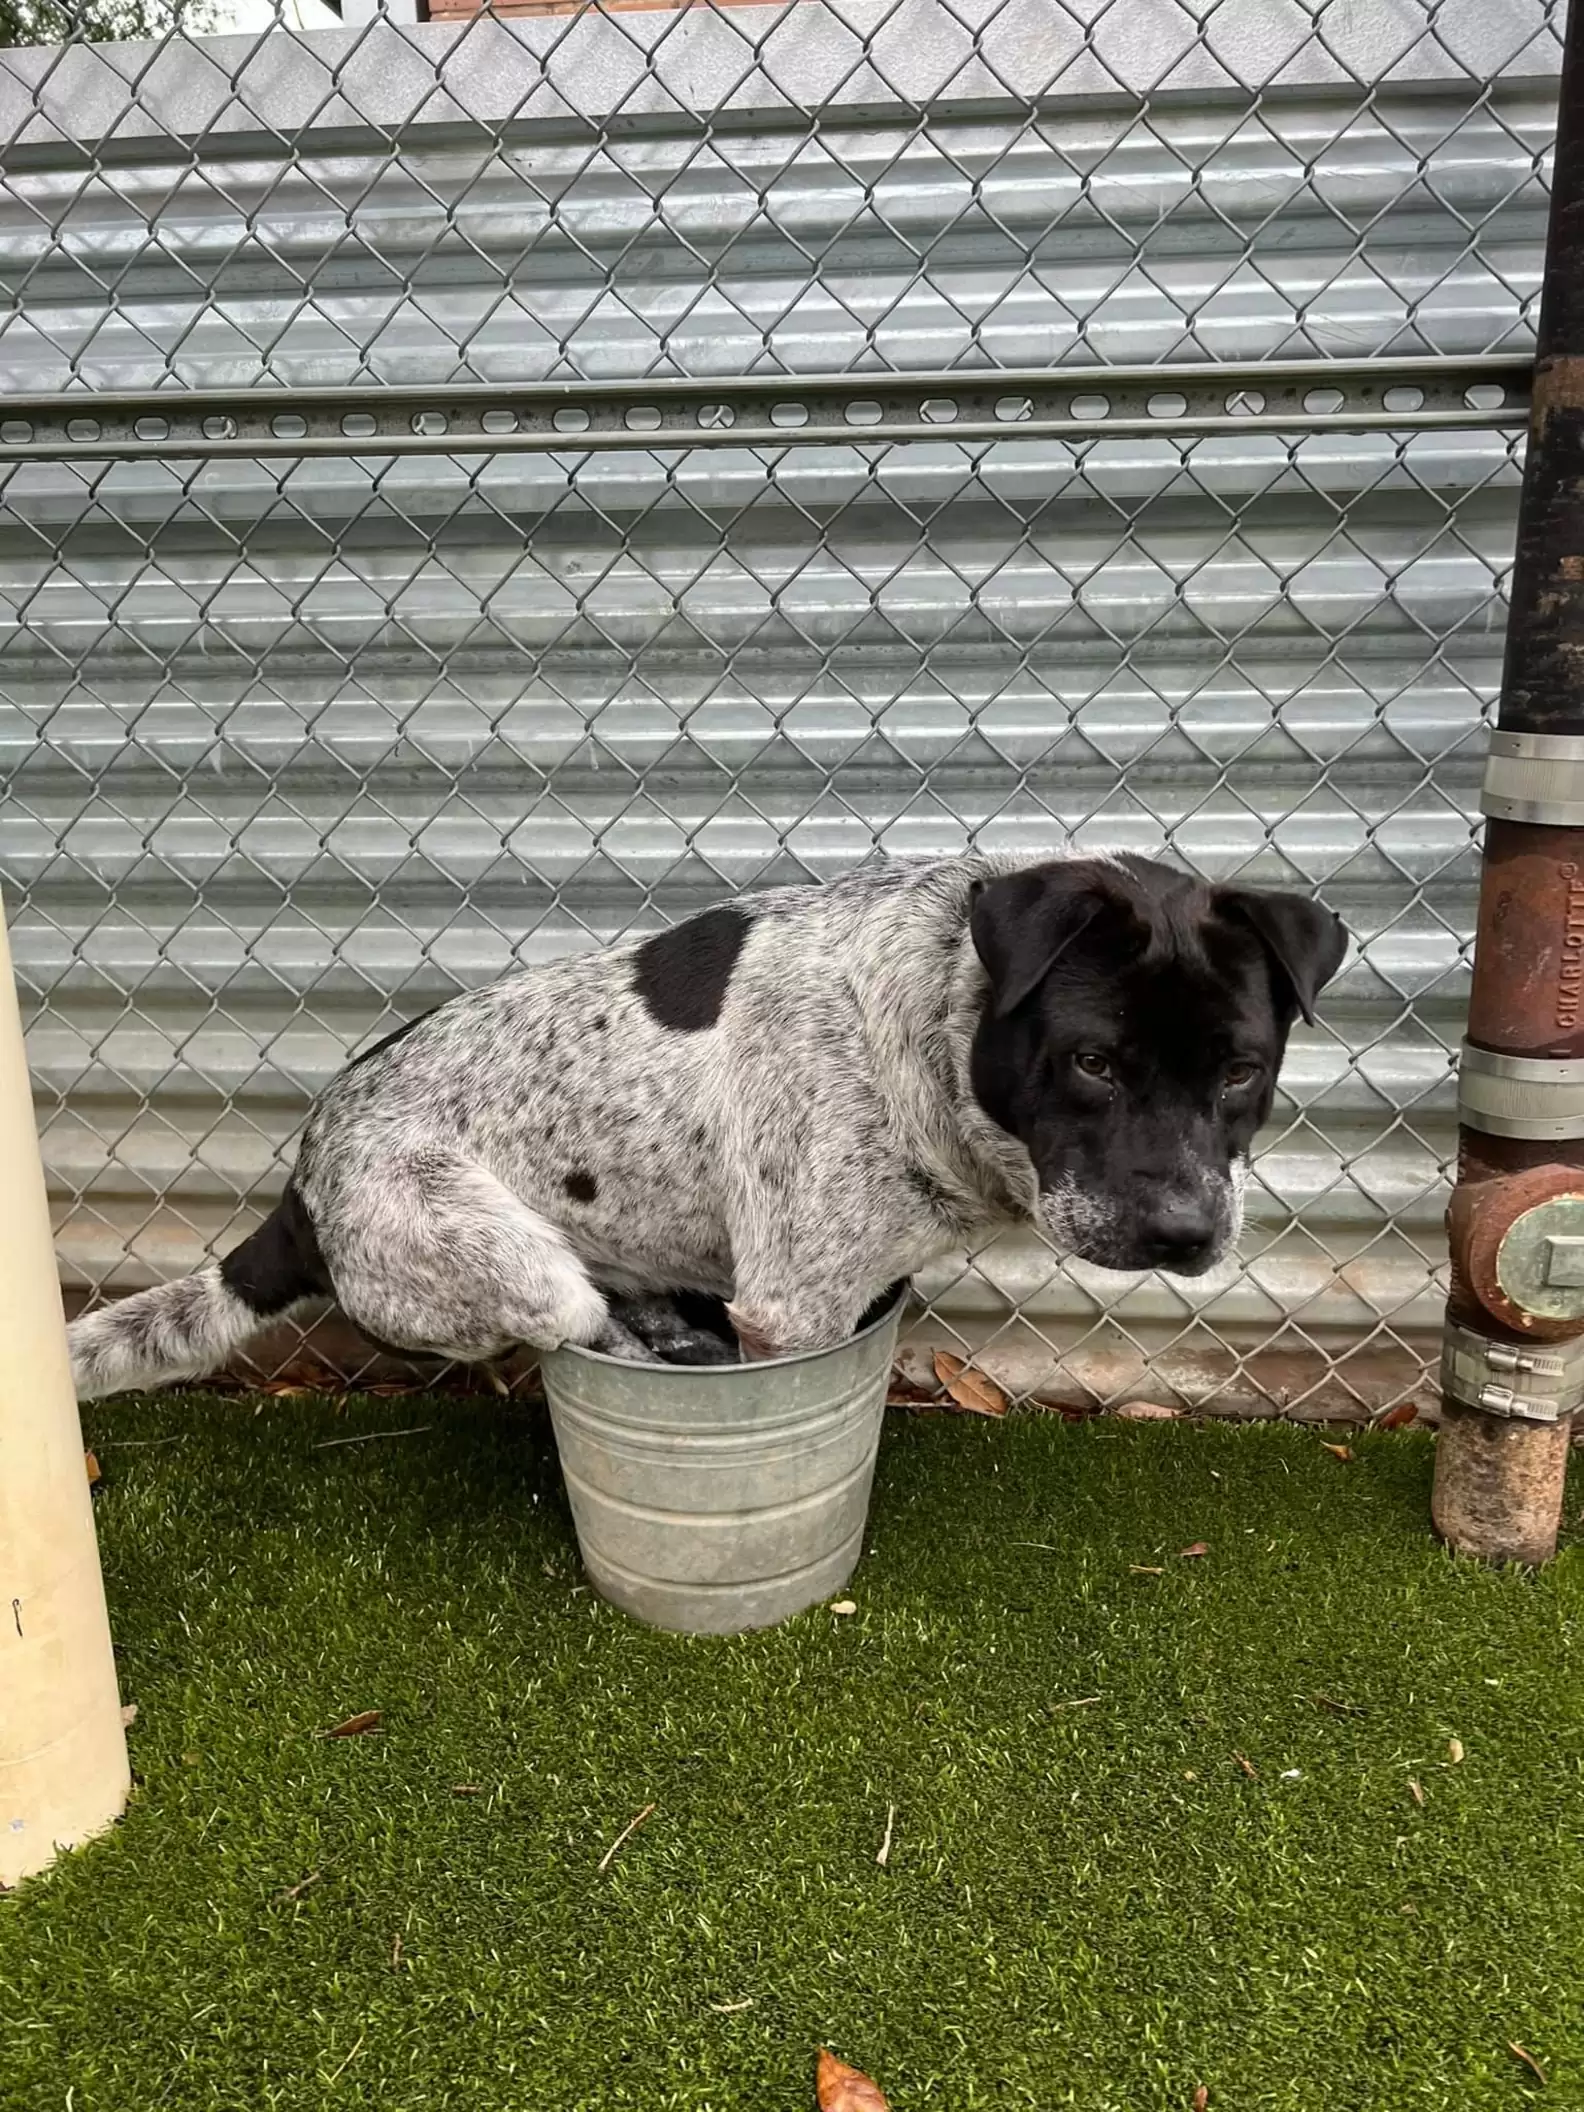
(1513, 1358)
(63, 1759)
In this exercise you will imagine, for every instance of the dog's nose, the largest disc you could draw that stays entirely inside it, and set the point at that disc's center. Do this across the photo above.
(1179, 1234)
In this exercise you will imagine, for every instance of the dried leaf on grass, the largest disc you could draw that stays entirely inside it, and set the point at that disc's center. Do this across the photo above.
(1247, 1766)
(843, 2089)
(1528, 2060)
(1455, 1750)
(1416, 1791)
(970, 1389)
(1400, 1417)
(91, 1463)
(1200, 1547)
(1147, 1412)
(128, 1715)
(1201, 2099)
(1342, 1452)
(355, 1726)
(1144, 1569)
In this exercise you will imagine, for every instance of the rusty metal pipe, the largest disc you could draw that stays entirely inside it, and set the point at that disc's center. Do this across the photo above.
(1510, 1378)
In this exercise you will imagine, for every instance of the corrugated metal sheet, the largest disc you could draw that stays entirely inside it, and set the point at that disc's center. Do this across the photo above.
(294, 750)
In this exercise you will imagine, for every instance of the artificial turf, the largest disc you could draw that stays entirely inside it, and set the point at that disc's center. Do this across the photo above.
(1088, 1901)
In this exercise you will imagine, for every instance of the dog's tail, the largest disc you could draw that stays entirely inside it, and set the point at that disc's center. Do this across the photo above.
(184, 1329)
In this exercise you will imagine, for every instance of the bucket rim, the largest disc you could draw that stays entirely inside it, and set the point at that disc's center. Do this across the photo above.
(717, 1373)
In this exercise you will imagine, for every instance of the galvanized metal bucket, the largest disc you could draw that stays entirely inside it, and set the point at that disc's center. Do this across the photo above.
(716, 1498)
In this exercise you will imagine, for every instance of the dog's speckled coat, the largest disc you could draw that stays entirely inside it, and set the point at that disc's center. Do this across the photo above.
(776, 1103)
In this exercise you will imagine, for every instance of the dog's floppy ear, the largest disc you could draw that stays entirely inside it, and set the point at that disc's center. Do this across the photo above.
(1023, 922)
(1301, 936)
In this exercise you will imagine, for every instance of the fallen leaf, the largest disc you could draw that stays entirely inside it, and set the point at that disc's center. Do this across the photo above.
(1454, 1750)
(1201, 2099)
(843, 1606)
(1400, 1417)
(279, 1390)
(1147, 1412)
(1143, 1569)
(91, 1463)
(884, 1855)
(355, 1726)
(730, 2009)
(1292, 1774)
(843, 2089)
(1415, 1791)
(467, 1789)
(1247, 1766)
(129, 1715)
(1342, 1452)
(1528, 2060)
(1200, 1547)
(970, 1389)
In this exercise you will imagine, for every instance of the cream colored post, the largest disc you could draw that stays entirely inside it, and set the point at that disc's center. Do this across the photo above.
(63, 1761)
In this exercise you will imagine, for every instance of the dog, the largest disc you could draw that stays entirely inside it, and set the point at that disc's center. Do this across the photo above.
(789, 1102)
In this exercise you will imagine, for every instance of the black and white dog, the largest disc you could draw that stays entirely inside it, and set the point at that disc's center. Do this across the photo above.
(790, 1102)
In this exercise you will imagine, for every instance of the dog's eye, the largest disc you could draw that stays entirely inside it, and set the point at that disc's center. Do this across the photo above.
(1238, 1074)
(1092, 1064)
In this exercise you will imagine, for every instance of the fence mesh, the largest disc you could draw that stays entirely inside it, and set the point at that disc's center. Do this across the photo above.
(299, 743)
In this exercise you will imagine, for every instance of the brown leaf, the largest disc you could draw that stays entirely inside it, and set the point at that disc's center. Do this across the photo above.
(1143, 1569)
(1342, 1452)
(1200, 1547)
(128, 1715)
(1247, 1766)
(355, 1726)
(1201, 2099)
(970, 1389)
(1528, 2060)
(280, 1390)
(92, 1465)
(1400, 1417)
(1415, 1791)
(1455, 1751)
(1147, 1412)
(843, 2089)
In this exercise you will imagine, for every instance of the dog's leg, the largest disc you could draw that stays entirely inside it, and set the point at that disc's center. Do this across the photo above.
(775, 1320)
(443, 1258)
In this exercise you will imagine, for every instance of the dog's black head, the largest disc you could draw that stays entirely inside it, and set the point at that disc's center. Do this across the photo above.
(1130, 1040)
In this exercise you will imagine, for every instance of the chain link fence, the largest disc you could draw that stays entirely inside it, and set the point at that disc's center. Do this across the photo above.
(476, 489)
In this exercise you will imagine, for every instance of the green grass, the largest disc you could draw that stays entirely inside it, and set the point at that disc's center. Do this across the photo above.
(1084, 1906)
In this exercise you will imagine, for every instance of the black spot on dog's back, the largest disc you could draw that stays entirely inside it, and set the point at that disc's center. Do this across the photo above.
(581, 1186)
(682, 974)
(280, 1262)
